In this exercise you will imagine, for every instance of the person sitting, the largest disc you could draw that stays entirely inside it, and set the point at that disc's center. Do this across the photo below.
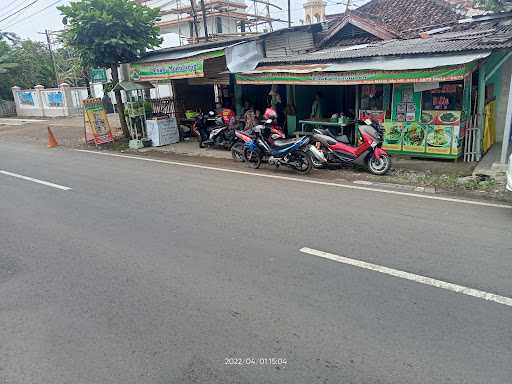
(228, 115)
(249, 119)
(270, 113)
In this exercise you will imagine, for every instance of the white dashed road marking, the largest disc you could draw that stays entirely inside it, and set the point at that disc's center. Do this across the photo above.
(48, 184)
(412, 277)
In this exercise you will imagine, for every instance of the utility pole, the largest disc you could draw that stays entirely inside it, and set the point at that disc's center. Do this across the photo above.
(347, 9)
(48, 39)
(289, 15)
(267, 6)
(194, 16)
(203, 9)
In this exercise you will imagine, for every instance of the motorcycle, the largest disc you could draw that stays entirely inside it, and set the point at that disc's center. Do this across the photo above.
(338, 150)
(213, 132)
(294, 153)
(242, 137)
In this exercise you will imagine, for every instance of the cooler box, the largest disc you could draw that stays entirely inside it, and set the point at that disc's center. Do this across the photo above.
(162, 131)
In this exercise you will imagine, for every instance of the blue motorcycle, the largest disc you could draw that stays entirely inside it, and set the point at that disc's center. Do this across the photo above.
(293, 153)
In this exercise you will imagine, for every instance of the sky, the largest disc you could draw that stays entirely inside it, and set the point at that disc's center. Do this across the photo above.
(31, 22)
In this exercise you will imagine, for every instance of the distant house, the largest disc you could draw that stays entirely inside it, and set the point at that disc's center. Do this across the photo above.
(380, 20)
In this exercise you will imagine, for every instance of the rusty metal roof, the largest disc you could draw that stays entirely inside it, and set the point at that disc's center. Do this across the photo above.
(484, 36)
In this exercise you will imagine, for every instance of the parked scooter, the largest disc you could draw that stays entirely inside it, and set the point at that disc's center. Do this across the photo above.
(338, 150)
(293, 153)
(213, 132)
(242, 137)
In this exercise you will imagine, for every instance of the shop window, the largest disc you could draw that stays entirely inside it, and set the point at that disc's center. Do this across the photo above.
(447, 97)
(218, 21)
(372, 97)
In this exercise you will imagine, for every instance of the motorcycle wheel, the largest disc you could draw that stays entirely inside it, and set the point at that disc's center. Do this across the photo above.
(252, 158)
(237, 152)
(302, 162)
(218, 141)
(379, 166)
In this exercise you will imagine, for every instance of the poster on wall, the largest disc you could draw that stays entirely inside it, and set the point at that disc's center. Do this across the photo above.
(441, 117)
(414, 138)
(393, 136)
(408, 94)
(439, 139)
(372, 115)
(26, 98)
(97, 125)
(55, 99)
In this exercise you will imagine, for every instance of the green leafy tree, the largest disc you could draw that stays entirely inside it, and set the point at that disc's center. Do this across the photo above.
(107, 33)
(6, 59)
(495, 5)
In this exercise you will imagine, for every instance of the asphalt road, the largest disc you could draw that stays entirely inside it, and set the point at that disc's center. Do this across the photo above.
(157, 273)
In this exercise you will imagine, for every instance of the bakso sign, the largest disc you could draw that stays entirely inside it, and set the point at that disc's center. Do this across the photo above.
(175, 69)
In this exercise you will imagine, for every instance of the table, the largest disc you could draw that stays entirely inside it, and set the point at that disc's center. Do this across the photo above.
(318, 123)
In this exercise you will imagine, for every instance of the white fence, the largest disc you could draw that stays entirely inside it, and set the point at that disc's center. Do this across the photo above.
(51, 102)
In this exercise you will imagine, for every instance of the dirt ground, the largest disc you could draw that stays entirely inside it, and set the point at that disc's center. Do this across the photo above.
(428, 175)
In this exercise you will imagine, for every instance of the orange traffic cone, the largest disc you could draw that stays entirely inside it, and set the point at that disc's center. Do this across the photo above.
(52, 141)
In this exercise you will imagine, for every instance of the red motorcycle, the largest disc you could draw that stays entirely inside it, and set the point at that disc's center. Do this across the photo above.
(237, 150)
(369, 154)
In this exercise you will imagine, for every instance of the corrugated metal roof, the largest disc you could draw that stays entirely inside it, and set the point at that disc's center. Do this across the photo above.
(381, 63)
(463, 41)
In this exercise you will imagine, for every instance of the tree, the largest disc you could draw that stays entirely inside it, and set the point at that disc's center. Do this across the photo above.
(495, 5)
(107, 33)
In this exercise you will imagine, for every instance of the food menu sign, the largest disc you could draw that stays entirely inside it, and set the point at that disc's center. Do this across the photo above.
(418, 138)
(372, 115)
(393, 135)
(97, 124)
(441, 117)
(439, 139)
(414, 138)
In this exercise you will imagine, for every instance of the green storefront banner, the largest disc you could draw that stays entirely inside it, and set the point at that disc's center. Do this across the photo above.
(359, 77)
(174, 69)
(99, 75)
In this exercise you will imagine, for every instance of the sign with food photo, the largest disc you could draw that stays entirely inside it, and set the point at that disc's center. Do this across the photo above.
(439, 139)
(393, 136)
(414, 138)
(441, 117)
(372, 115)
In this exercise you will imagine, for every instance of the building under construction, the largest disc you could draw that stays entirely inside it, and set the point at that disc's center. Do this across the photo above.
(195, 20)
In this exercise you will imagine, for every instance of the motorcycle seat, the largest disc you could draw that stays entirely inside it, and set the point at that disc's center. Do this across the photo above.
(343, 139)
(285, 142)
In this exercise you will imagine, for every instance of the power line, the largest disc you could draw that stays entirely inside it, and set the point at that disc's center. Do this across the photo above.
(10, 7)
(19, 10)
(34, 14)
